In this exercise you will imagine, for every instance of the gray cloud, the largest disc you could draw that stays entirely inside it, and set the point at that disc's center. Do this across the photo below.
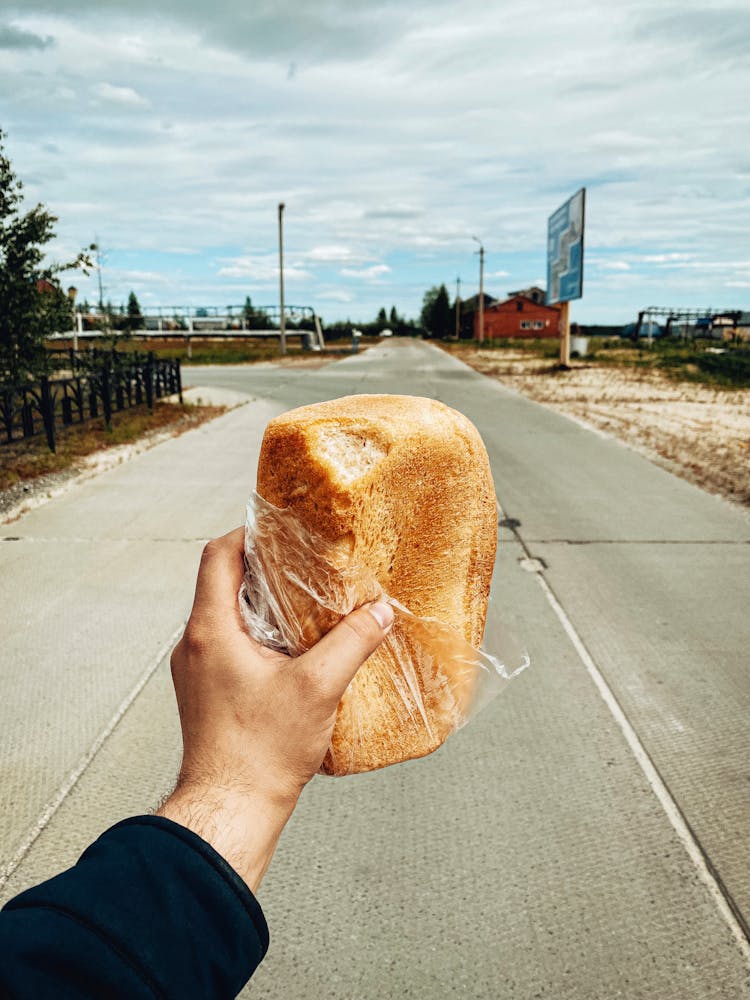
(16, 38)
(300, 33)
(396, 212)
(718, 33)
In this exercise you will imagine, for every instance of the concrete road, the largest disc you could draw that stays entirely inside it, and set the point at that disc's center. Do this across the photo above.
(585, 837)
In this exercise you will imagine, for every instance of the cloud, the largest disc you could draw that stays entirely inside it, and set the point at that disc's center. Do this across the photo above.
(396, 212)
(332, 254)
(372, 273)
(417, 125)
(141, 277)
(264, 269)
(126, 96)
(719, 32)
(667, 258)
(17, 38)
(688, 262)
(336, 30)
(335, 295)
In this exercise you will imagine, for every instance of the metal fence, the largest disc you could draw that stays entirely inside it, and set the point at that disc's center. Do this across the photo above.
(82, 385)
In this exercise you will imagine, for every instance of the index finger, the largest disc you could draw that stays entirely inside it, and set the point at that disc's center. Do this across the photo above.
(220, 574)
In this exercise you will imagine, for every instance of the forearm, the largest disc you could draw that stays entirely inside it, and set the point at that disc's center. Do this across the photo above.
(243, 828)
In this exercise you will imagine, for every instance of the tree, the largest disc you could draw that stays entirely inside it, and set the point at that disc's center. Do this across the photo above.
(32, 303)
(382, 319)
(255, 319)
(134, 314)
(436, 316)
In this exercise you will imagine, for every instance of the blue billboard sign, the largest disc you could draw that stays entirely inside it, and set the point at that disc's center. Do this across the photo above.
(565, 250)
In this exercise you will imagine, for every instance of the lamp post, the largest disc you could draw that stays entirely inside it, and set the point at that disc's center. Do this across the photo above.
(481, 289)
(282, 323)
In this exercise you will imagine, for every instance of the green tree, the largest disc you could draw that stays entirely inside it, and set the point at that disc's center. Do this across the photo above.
(382, 319)
(32, 303)
(436, 315)
(255, 319)
(134, 314)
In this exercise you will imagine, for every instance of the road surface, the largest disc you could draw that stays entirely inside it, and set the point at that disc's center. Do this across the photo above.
(585, 837)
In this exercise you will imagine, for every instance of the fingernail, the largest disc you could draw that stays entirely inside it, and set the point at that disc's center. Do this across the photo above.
(382, 613)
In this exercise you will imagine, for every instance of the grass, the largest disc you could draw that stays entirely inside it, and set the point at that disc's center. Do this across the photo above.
(210, 351)
(684, 361)
(29, 458)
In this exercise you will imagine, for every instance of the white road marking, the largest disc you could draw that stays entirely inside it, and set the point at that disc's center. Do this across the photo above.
(75, 775)
(654, 779)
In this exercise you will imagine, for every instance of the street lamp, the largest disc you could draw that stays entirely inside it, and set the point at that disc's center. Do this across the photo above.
(481, 289)
(282, 325)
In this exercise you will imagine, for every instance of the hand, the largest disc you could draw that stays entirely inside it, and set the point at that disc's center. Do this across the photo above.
(256, 724)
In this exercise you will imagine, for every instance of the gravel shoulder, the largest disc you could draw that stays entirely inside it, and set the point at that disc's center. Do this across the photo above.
(697, 432)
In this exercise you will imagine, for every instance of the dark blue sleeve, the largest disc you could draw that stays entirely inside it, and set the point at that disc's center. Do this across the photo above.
(150, 910)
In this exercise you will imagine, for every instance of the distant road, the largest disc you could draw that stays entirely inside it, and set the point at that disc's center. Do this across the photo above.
(585, 837)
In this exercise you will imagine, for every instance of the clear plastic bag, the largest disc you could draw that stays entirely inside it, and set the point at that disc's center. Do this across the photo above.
(430, 681)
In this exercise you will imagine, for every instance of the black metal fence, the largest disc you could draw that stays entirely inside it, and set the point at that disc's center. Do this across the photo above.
(81, 385)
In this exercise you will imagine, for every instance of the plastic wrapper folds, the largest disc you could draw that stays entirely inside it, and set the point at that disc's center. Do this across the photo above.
(298, 586)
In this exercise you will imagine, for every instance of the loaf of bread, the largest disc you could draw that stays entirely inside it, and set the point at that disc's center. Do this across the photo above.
(400, 485)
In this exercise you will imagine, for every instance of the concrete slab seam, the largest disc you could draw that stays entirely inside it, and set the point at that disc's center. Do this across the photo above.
(647, 766)
(75, 775)
(658, 787)
(654, 779)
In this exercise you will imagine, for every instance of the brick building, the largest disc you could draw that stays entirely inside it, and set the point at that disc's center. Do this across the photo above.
(519, 316)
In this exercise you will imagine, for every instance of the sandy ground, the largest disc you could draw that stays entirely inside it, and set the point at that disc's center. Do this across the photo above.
(699, 433)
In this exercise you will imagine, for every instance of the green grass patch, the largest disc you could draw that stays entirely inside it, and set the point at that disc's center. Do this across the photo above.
(210, 351)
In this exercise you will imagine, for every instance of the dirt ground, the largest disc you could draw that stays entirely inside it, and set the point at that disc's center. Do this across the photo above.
(696, 431)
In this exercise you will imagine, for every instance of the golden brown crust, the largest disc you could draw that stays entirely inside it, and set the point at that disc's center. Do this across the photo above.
(402, 484)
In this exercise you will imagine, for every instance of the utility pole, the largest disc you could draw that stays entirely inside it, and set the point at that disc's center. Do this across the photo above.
(458, 308)
(481, 290)
(95, 247)
(282, 324)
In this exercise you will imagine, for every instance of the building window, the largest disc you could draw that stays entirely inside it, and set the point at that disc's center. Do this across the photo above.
(538, 324)
(525, 324)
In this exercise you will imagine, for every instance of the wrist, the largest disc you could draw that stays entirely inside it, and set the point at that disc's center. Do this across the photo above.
(241, 826)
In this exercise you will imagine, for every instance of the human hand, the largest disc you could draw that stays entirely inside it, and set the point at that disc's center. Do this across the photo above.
(256, 724)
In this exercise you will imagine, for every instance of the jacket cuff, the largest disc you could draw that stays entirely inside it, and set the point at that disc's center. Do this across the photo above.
(166, 903)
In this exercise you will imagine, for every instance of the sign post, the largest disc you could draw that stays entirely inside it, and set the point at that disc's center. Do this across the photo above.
(565, 263)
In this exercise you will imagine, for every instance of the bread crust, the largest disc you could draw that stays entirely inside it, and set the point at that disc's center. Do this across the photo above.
(402, 485)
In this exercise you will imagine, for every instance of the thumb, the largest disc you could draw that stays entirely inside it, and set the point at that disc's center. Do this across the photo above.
(335, 659)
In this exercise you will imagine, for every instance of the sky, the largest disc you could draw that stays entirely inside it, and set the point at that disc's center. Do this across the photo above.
(395, 134)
